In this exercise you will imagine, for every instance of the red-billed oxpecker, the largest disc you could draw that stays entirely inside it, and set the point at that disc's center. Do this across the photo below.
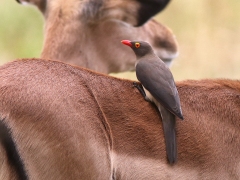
(158, 87)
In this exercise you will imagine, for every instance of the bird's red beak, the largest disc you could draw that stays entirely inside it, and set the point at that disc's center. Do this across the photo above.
(127, 42)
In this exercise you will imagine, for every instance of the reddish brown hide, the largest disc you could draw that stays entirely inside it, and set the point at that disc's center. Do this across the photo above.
(71, 123)
(88, 32)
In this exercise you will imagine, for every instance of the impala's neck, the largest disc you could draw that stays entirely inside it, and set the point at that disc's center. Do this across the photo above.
(88, 34)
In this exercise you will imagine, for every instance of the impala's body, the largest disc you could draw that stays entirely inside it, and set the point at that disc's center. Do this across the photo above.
(85, 32)
(71, 123)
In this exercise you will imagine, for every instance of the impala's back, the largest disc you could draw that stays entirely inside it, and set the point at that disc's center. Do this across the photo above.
(88, 32)
(55, 137)
(62, 122)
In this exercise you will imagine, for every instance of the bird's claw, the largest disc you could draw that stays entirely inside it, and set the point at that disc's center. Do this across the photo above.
(140, 88)
(136, 84)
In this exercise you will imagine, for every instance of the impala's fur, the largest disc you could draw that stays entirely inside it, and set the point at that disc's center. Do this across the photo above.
(88, 32)
(71, 123)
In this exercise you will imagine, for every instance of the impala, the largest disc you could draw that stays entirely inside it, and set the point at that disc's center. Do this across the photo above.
(58, 121)
(85, 32)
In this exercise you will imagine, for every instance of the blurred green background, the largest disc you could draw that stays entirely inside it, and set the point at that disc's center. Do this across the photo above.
(208, 33)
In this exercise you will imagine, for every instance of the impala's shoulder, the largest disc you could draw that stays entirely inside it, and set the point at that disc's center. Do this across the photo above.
(33, 65)
(28, 62)
(39, 68)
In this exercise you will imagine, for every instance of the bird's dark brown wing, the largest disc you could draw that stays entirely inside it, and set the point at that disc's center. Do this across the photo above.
(158, 80)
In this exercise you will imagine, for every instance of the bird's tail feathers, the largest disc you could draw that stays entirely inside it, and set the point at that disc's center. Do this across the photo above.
(169, 121)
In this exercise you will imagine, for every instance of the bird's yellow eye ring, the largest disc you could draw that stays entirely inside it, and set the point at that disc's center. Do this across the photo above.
(137, 45)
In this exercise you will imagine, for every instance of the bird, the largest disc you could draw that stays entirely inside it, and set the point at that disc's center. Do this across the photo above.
(157, 85)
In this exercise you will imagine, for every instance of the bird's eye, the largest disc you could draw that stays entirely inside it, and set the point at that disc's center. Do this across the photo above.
(137, 45)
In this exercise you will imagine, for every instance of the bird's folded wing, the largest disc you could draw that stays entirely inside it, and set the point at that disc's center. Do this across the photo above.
(160, 83)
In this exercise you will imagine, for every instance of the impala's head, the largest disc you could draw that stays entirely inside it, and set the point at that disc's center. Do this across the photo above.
(76, 29)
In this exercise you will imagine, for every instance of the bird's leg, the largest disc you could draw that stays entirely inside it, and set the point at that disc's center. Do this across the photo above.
(141, 90)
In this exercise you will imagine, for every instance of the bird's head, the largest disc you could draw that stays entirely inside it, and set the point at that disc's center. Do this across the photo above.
(140, 48)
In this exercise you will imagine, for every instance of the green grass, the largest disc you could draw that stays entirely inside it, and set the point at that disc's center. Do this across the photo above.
(208, 33)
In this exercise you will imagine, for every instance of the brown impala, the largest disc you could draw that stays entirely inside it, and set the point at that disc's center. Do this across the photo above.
(85, 32)
(64, 122)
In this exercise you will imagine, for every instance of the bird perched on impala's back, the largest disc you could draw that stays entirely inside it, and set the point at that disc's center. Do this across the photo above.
(158, 87)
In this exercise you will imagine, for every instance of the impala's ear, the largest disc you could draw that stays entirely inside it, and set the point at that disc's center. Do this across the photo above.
(134, 12)
(41, 4)
(149, 8)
